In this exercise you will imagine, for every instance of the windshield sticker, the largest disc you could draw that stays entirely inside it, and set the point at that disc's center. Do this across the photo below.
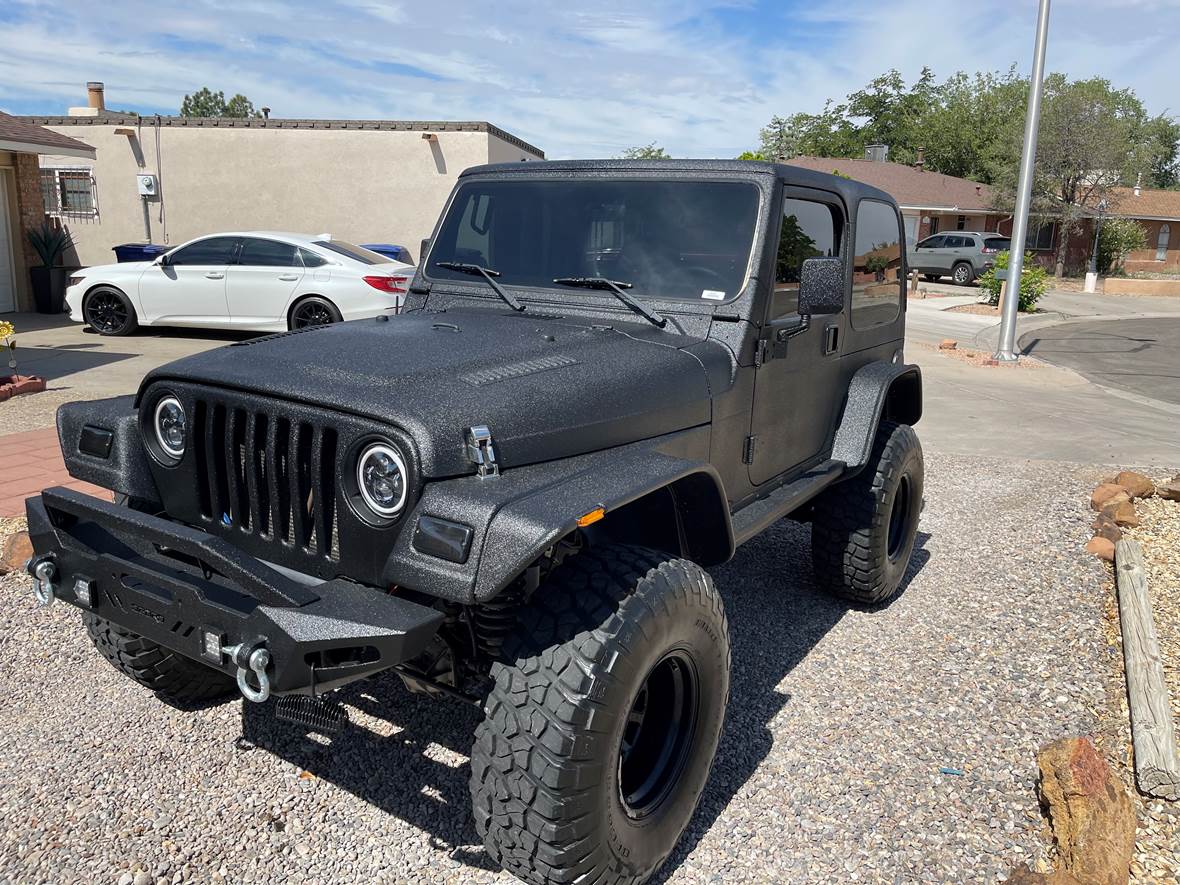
(713, 295)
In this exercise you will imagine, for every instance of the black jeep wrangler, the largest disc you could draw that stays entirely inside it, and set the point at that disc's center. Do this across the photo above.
(609, 375)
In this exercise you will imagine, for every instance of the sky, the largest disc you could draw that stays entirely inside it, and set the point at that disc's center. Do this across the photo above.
(699, 77)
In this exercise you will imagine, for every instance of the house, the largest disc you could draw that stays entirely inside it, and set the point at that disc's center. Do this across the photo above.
(165, 179)
(21, 205)
(1159, 213)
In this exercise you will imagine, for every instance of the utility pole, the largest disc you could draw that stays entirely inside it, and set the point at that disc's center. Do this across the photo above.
(1028, 157)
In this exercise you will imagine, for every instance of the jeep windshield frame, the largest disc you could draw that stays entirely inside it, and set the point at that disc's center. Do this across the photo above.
(682, 240)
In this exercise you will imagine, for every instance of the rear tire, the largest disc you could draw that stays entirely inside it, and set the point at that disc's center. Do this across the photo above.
(313, 311)
(170, 675)
(962, 273)
(863, 531)
(604, 719)
(931, 277)
(109, 312)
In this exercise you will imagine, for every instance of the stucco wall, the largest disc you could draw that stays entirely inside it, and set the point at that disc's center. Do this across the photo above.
(1144, 259)
(359, 185)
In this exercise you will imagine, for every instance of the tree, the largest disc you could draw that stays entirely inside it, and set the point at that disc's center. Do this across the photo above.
(965, 131)
(1091, 138)
(206, 103)
(1163, 164)
(646, 152)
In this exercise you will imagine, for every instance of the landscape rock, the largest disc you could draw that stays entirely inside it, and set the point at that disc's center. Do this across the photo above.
(1090, 813)
(1024, 876)
(948, 344)
(1169, 490)
(1136, 484)
(15, 551)
(1105, 527)
(1106, 493)
(1122, 513)
(1101, 547)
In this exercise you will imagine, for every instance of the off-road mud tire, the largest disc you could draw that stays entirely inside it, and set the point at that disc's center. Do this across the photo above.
(854, 553)
(547, 778)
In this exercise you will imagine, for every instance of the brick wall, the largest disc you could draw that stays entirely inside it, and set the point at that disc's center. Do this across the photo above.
(30, 204)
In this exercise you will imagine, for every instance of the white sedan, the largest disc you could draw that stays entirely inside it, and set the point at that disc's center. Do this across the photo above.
(255, 280)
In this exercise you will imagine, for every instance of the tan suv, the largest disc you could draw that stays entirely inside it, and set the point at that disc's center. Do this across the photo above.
(960, 254)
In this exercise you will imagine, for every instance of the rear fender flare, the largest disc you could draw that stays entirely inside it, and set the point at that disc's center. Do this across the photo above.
(878, 390)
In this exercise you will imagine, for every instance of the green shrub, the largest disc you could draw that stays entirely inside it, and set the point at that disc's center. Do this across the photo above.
(1118, 239)
(1033, 282)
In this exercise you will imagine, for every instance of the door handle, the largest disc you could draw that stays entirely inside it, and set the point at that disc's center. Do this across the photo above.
(289, 276)
(215, 276)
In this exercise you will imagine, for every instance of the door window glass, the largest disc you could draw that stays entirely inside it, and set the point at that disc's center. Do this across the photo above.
(267, 253)
(932, 242)
(213, 251)
(876, 286)
(810, 230)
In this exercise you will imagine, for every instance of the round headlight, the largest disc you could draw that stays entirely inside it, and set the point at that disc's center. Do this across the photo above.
(381, 478)
(171, 426)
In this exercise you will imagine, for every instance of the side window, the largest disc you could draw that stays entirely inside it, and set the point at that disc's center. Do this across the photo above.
(955, 242)
(267, 253)
(213, 251)
(876, 286)
(810, 230)
(932, 242)
(310, 259)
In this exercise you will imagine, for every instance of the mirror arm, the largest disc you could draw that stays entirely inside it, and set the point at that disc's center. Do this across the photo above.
(788, 329)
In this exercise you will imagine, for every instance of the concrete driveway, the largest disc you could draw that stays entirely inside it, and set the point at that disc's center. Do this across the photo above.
(1138, 355)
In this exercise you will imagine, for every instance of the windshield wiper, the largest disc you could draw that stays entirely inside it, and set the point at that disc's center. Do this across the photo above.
(478, 270)
(619, 289)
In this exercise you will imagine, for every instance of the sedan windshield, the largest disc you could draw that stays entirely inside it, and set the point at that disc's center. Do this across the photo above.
(681, 239)
(356, 253)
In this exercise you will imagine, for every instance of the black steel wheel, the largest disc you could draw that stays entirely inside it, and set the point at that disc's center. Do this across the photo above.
(962, 273)
(604, 719)
(314, 311)
(109, 312)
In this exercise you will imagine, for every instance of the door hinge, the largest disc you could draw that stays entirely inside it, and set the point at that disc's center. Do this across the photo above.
(760, 353)
(748, 450)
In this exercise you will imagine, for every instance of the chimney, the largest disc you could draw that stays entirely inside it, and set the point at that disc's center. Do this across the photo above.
(95, 103)
(266, 113)
(94, 96)
(920, 163)
(1138, 183)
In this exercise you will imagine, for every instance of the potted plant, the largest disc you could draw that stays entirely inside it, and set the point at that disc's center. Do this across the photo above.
(49, 280)
(876, 263)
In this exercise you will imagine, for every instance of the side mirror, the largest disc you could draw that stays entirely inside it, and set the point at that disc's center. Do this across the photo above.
(162, 261)
(821, 287)
(422, 250)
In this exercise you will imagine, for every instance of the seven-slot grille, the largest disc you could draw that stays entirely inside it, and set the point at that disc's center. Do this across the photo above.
(267, 475)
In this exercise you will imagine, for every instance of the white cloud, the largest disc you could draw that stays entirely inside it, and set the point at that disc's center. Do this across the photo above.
(697, 76)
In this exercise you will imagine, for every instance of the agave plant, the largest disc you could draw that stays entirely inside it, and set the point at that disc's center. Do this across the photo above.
(50, 243)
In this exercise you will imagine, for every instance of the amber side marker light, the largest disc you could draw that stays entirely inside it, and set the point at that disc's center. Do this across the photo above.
(590, 518)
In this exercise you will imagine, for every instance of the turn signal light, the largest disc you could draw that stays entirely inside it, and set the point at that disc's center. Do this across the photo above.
(392, 285)
(590, 518)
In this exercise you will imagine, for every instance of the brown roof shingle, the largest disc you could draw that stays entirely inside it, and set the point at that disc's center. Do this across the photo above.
(909, 186)
(39, 140)
(1150, 203)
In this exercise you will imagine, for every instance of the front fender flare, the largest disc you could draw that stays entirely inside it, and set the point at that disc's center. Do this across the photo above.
(523, 512)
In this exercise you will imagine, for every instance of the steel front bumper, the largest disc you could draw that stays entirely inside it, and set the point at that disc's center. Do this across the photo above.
(201, 597)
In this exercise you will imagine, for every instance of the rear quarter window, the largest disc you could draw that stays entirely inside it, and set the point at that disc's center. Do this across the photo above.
(876, 283)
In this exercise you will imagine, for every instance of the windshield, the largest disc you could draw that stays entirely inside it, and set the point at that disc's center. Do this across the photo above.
(684, 239)
(356, 253)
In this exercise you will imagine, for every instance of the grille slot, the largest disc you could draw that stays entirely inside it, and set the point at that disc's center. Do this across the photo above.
(271, 477)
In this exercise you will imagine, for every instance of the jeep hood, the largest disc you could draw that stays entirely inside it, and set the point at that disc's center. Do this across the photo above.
(547, 388)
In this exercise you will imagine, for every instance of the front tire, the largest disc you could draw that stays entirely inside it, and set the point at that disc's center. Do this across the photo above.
(170, 675)
(962, 273)
(863, 531)
(604, 719)
(109, 312)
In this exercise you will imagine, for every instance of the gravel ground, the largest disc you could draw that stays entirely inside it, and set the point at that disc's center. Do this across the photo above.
(36, 411)
(829, 769)
(1157, 844)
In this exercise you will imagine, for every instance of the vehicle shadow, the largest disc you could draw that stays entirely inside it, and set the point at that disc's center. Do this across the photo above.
(408, 755)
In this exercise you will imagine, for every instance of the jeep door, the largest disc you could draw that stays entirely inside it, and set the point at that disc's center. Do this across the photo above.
(796, 387)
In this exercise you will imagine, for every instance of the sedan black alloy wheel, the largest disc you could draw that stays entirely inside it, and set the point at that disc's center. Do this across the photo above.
(314, 313)
(106, 311)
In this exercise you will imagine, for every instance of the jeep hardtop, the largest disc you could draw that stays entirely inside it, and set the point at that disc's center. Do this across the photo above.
(609, 375)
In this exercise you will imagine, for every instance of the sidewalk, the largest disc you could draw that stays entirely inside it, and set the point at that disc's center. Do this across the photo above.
(32, 461)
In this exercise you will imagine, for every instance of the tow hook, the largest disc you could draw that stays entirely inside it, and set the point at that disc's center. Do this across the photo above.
(44, 570)
(252, 658)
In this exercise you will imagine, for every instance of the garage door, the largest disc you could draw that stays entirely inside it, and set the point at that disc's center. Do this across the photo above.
(7, 264)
